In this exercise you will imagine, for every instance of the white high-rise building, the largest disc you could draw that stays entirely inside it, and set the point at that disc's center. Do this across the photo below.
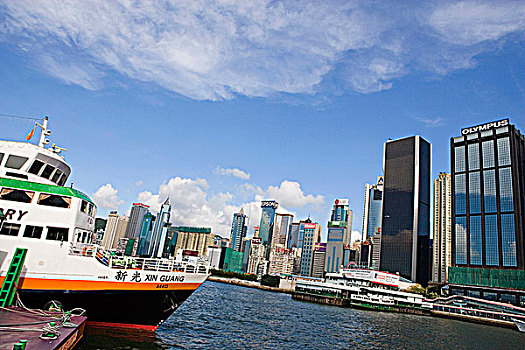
(442, 243)
(115, 230)
(257, 264)
(372, 211)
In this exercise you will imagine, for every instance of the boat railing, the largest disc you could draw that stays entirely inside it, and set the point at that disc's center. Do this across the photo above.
(113, 261)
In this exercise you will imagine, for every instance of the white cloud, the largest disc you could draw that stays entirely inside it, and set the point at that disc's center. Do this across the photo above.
(471, 22)
(215, 50)
(106, 197)
(290, 194)
(192, 205)
(432, 122)
(232, 172)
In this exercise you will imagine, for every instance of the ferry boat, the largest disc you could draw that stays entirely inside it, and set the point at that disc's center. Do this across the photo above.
(56, 225)
(364, 288)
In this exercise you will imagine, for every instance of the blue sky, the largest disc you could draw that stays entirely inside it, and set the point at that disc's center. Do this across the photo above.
(221, 104)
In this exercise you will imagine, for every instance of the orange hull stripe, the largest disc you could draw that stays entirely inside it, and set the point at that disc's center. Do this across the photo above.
(79, 285)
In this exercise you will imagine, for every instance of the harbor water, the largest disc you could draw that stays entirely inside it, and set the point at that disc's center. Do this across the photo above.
(232, 317)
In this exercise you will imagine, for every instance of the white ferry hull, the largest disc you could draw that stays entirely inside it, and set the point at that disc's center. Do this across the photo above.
(123, 296)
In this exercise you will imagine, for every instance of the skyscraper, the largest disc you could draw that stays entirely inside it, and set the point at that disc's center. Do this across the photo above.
(160, 230)
(138, 210)
(405, 223)
(318, 260)
(145, 234)
(372, 210)
(257, 263)
(267, 223)
(110, 230)
(281, 229)
(338, 229)
(115, 230)
(239, 230)
(488, 238)
(293, 236)
(309, 235)
(194, 238)
(442, 243)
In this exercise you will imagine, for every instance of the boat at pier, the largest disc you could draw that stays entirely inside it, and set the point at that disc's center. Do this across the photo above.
(56, 225)
(364, 288)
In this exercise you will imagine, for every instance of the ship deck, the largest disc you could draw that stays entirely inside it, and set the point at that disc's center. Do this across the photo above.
(17, 324)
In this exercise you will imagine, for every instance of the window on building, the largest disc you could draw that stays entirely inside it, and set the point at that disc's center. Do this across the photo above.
(461, 194)
(475, 240)
(474, 194)
(474, 293)
(473, 156)
(505, 190)
(503, 151)
(48, 170)
(487, 148)
(56, 175)
(457, 291)
(33, 231)
(508, 240)
(57, 234)
(486, 133)
(459, 156)
(489, 187)
(15, 195)
(36, 167)
(15, 162)
(53, 200)
(491, 240)
(461, 240)
(10, 229)
(508, 298)
(490, 296)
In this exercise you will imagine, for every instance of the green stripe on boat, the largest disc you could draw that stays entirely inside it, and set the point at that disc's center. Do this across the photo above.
(38, 187)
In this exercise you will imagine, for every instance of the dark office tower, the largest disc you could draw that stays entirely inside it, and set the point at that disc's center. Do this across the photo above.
(138, 210)
(488, 182)
(406, 209)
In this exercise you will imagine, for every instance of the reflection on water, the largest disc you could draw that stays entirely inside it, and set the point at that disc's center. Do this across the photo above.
(115, 338)
(227, 316)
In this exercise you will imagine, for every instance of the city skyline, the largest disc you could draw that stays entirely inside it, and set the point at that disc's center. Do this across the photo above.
(214, 146)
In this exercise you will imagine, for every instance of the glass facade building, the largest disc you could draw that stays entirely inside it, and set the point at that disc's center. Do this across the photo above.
(238, 231)
(267, 223)
(293, 236)
(405, 224)
(488, 180)
(138, 210)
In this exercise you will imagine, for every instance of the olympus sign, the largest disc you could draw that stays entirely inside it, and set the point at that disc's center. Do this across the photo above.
(483, 127)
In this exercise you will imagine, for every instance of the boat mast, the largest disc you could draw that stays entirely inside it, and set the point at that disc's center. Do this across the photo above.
(43, 133)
